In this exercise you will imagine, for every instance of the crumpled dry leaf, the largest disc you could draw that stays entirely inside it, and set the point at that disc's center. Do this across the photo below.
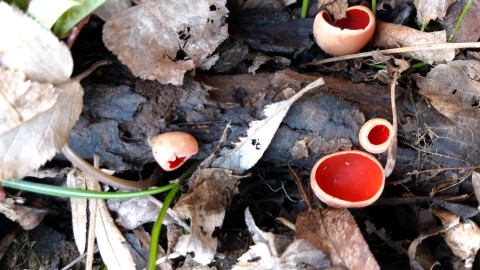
(205, 206)
(158, 44)
(113, 247)
(277, 252)
(31, 48)
(259, 135)
(395, 35)
(453, 89)
(335, 232)
(112, 7)
(463, 237)
(250, 4)
(29, 145)
(27, 217)
(338, 8)
(76, 179)
(464, 241)
(428, 10)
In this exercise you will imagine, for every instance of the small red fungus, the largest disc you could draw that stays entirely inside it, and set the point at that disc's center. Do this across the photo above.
(345, 36)
(348, 179)
(376, 135)
(172, 149)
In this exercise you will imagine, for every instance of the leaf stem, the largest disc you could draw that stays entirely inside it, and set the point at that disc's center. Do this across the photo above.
(66, 192)
(111, 180)
(304, 9)
(152, 262)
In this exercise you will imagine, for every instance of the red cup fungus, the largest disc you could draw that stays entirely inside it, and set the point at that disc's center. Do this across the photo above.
(348, 179)
(172, 149)
(345, 36)
(376, 135)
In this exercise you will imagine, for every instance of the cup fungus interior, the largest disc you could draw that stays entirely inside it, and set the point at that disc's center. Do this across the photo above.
(356, 20)
(177, 162)
(378, 134)
(350, 177)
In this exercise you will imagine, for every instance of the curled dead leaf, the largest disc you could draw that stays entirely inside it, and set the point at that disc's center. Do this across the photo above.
(157, 44)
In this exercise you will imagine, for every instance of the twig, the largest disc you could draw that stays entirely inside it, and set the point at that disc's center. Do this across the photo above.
(287, 223)
(419, 199)
(398, 50)
(300, 187)
(444, 169)
(77, 260)
(392, 150)
(111, 180)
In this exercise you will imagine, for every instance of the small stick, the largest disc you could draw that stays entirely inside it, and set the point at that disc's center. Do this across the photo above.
(398, 50)
(392, 150)
(111, 180)
(300, 187)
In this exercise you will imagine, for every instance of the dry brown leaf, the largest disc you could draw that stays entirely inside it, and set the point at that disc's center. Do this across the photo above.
(158, 44)
(29, 145)
(338, 8)
(454, 90)
(113, 247)
(428, 10)
(112, 7)
(335, 232)
(278, 252)
(76, 179)
(469, 30)
(205, 206)
(28, 47)
(395, 35)
(27, 217)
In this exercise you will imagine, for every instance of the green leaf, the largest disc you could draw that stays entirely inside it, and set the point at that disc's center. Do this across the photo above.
(74, 15)
(47, 12)
(22, 4)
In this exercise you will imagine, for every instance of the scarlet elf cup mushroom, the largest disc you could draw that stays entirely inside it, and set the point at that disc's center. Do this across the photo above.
(172, 149)
(348, 179)
(345, 36)
(376, 135)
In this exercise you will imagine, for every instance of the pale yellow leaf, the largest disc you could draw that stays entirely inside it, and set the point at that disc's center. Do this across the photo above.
(76, 179)
(28, 146)
(156, 43)
(113, 246)
(28, 47)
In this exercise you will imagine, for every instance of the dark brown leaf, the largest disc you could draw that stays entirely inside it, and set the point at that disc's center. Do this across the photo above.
(335, 232)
